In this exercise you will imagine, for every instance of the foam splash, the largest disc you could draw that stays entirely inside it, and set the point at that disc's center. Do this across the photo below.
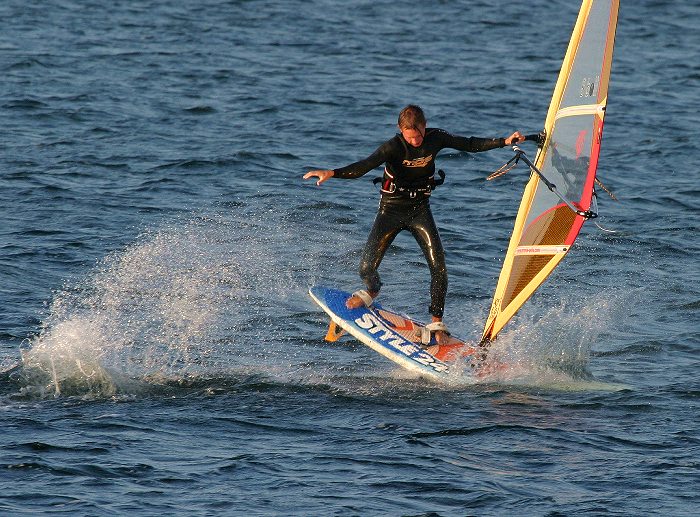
(182, 301)
(551, 347)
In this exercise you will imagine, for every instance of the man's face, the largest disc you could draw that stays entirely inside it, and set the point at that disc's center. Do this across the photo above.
(414, 137)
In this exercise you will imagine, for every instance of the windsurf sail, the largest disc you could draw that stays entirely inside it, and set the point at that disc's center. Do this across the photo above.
(549, 219)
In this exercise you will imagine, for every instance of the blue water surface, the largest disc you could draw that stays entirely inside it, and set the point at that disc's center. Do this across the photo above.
(159, 352)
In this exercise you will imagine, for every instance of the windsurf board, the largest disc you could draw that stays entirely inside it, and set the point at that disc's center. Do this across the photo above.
(395, 336)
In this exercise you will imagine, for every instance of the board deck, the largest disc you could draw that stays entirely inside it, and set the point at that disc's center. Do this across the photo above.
(393, 335)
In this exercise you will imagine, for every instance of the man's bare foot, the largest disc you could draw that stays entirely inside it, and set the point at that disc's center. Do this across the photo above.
(360, 299)
(354, 302)
(442, 337)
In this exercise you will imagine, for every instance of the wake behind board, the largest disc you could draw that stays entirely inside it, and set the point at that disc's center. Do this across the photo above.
(391, 334)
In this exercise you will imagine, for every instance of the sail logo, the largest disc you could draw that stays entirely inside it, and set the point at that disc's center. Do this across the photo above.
(386, 336)
(580, 141)
(588, 86)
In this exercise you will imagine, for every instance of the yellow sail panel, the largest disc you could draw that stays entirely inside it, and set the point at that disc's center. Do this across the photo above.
(546, 227)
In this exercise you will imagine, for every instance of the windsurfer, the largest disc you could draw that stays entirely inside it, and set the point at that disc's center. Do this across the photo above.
(408, 181)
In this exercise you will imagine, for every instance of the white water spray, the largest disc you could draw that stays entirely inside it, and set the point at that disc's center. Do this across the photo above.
(191, 299)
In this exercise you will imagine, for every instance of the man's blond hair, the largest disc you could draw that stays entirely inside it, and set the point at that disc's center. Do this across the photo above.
(412, 117)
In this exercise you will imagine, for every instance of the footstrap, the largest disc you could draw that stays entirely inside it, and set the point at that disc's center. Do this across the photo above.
(430, 329)
(365, 297)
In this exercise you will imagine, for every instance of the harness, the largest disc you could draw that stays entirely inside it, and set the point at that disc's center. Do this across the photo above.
(389, 185)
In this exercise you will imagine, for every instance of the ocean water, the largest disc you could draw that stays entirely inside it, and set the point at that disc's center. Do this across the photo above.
(159, 353)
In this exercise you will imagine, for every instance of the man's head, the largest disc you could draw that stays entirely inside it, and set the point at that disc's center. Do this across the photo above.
(412, 124)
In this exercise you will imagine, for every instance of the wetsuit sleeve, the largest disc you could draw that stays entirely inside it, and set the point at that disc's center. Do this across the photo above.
(374, 160)
(472, 144)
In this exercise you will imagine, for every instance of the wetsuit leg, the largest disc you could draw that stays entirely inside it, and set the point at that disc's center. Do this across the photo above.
(425, 231)
(386, 227)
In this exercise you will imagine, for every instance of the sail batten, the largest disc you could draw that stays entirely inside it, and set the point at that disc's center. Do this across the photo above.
(584, 109)
(549, 220)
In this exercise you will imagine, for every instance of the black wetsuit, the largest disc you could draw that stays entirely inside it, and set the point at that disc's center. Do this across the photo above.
(407, 184)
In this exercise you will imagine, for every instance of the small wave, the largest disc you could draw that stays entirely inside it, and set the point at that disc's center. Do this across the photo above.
(636, 349)
(47, 447)
(24, 104)
(314, 102)
(200, 110)
(199, 164)
(690, 306)
(26, 63)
